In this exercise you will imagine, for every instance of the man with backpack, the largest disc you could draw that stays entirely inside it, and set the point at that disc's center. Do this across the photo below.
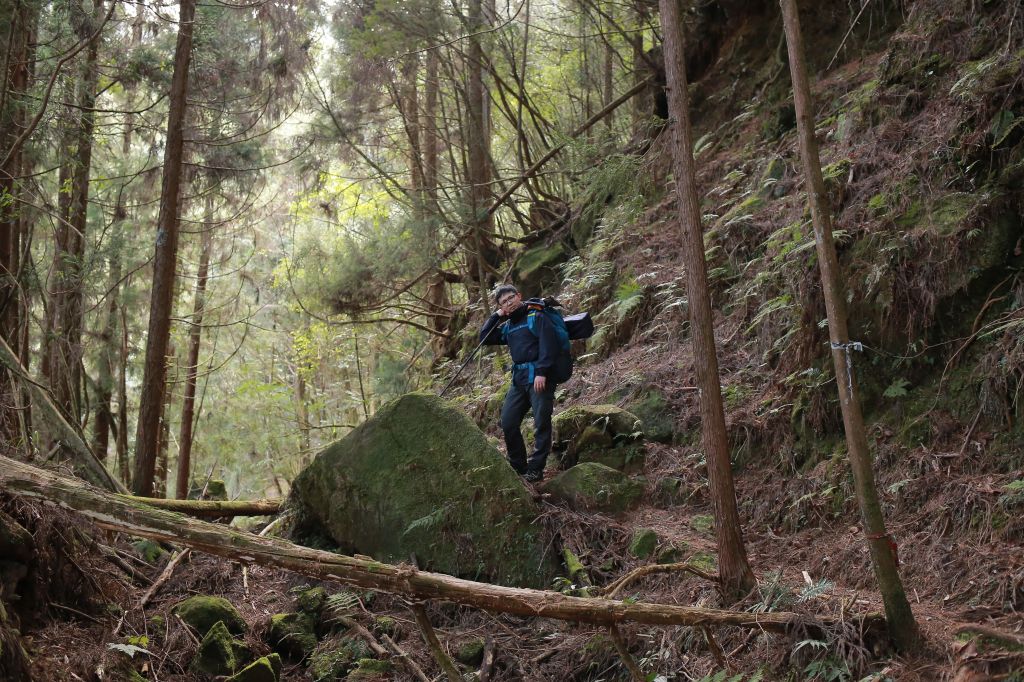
(541, 360)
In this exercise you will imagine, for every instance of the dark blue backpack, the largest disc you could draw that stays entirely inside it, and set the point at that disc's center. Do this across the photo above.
(568, 329)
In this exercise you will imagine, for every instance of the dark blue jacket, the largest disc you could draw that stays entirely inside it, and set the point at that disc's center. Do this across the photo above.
(539, 346)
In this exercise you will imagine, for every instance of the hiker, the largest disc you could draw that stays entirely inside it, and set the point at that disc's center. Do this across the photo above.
(534, 347)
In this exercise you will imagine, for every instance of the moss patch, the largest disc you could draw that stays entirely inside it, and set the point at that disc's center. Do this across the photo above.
(202, 612)
(595, 487)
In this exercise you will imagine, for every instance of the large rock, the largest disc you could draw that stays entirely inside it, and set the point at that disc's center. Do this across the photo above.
(420, 479)
(605, 434)
(595, 487)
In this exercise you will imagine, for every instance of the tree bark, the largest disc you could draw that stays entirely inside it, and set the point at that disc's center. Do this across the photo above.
(154, 378)
(736, 577)
(214, 508)
(103, 421)
(120, 513)
(192, 363)
(62, 363)
(902, 625)
(478, 176)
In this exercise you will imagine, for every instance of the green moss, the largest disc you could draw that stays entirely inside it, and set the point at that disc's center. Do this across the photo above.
(704, 561)
(644, 542)
(385, 625)
(219, 653)
(312, 600)
(596, 487)
(292, 634)
(703, 524)
(202, 612)
(471, 653)
(371, 669)
(334, 658)
(260, 670)
(151, 552)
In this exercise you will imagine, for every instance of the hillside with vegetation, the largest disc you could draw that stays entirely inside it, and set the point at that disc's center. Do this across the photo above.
(248, 251)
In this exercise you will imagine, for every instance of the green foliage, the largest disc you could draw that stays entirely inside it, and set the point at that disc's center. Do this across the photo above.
(897, 389)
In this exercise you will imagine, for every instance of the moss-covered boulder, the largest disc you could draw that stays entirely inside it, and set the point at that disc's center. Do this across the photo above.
(265, 669)
(536, 269)
(419, 478)
(292, 634)
(605, 434)
(590, 486)
(202, 612)
(644, 542)
(219, 653)
(334, 658)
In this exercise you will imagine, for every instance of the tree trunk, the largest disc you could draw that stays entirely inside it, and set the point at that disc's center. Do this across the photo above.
(902, 625)
(50, 420)
(192, 363)
(122, 514)
(478, 150)
(736, 577)
(104, 419)
(154, 378)
(62, 364)
(121, 442)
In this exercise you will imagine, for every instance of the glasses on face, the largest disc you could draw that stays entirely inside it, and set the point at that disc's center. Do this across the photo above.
(508, 300)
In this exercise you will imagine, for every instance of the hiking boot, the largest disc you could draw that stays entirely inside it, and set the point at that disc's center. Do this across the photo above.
(533, 476)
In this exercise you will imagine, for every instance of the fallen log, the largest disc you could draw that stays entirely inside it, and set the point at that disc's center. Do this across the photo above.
(120, 513)
(214, 508)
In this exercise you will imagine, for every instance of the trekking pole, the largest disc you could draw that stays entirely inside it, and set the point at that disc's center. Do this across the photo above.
(468, 360)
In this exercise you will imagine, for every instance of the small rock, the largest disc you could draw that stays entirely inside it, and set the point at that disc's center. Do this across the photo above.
(202, 612)
(219, 653)
(471, 653)
(645, 541)
(292, 634)
(266, 669)
(595, 487)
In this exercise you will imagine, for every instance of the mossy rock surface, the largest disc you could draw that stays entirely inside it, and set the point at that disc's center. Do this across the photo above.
(372, 669)
(150, 551)
(292, 634)
(471, 653)
(312, 601)
(604, 434)
(219, 653)
(655, 414)
(420, 478)
(644, 543)
(202, 612)
(266, 669)
(536, 269)
(595, 487)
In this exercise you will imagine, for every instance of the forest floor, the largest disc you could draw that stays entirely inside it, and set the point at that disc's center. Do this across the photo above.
(821, 569)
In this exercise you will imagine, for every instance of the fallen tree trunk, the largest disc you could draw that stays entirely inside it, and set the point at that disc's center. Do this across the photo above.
(121, 513)
(214, 508)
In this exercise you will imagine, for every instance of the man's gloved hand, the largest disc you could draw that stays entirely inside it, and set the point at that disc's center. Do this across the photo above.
(539, 384)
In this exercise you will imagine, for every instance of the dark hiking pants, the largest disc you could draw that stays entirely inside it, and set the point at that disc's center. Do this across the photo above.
(518, 401)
